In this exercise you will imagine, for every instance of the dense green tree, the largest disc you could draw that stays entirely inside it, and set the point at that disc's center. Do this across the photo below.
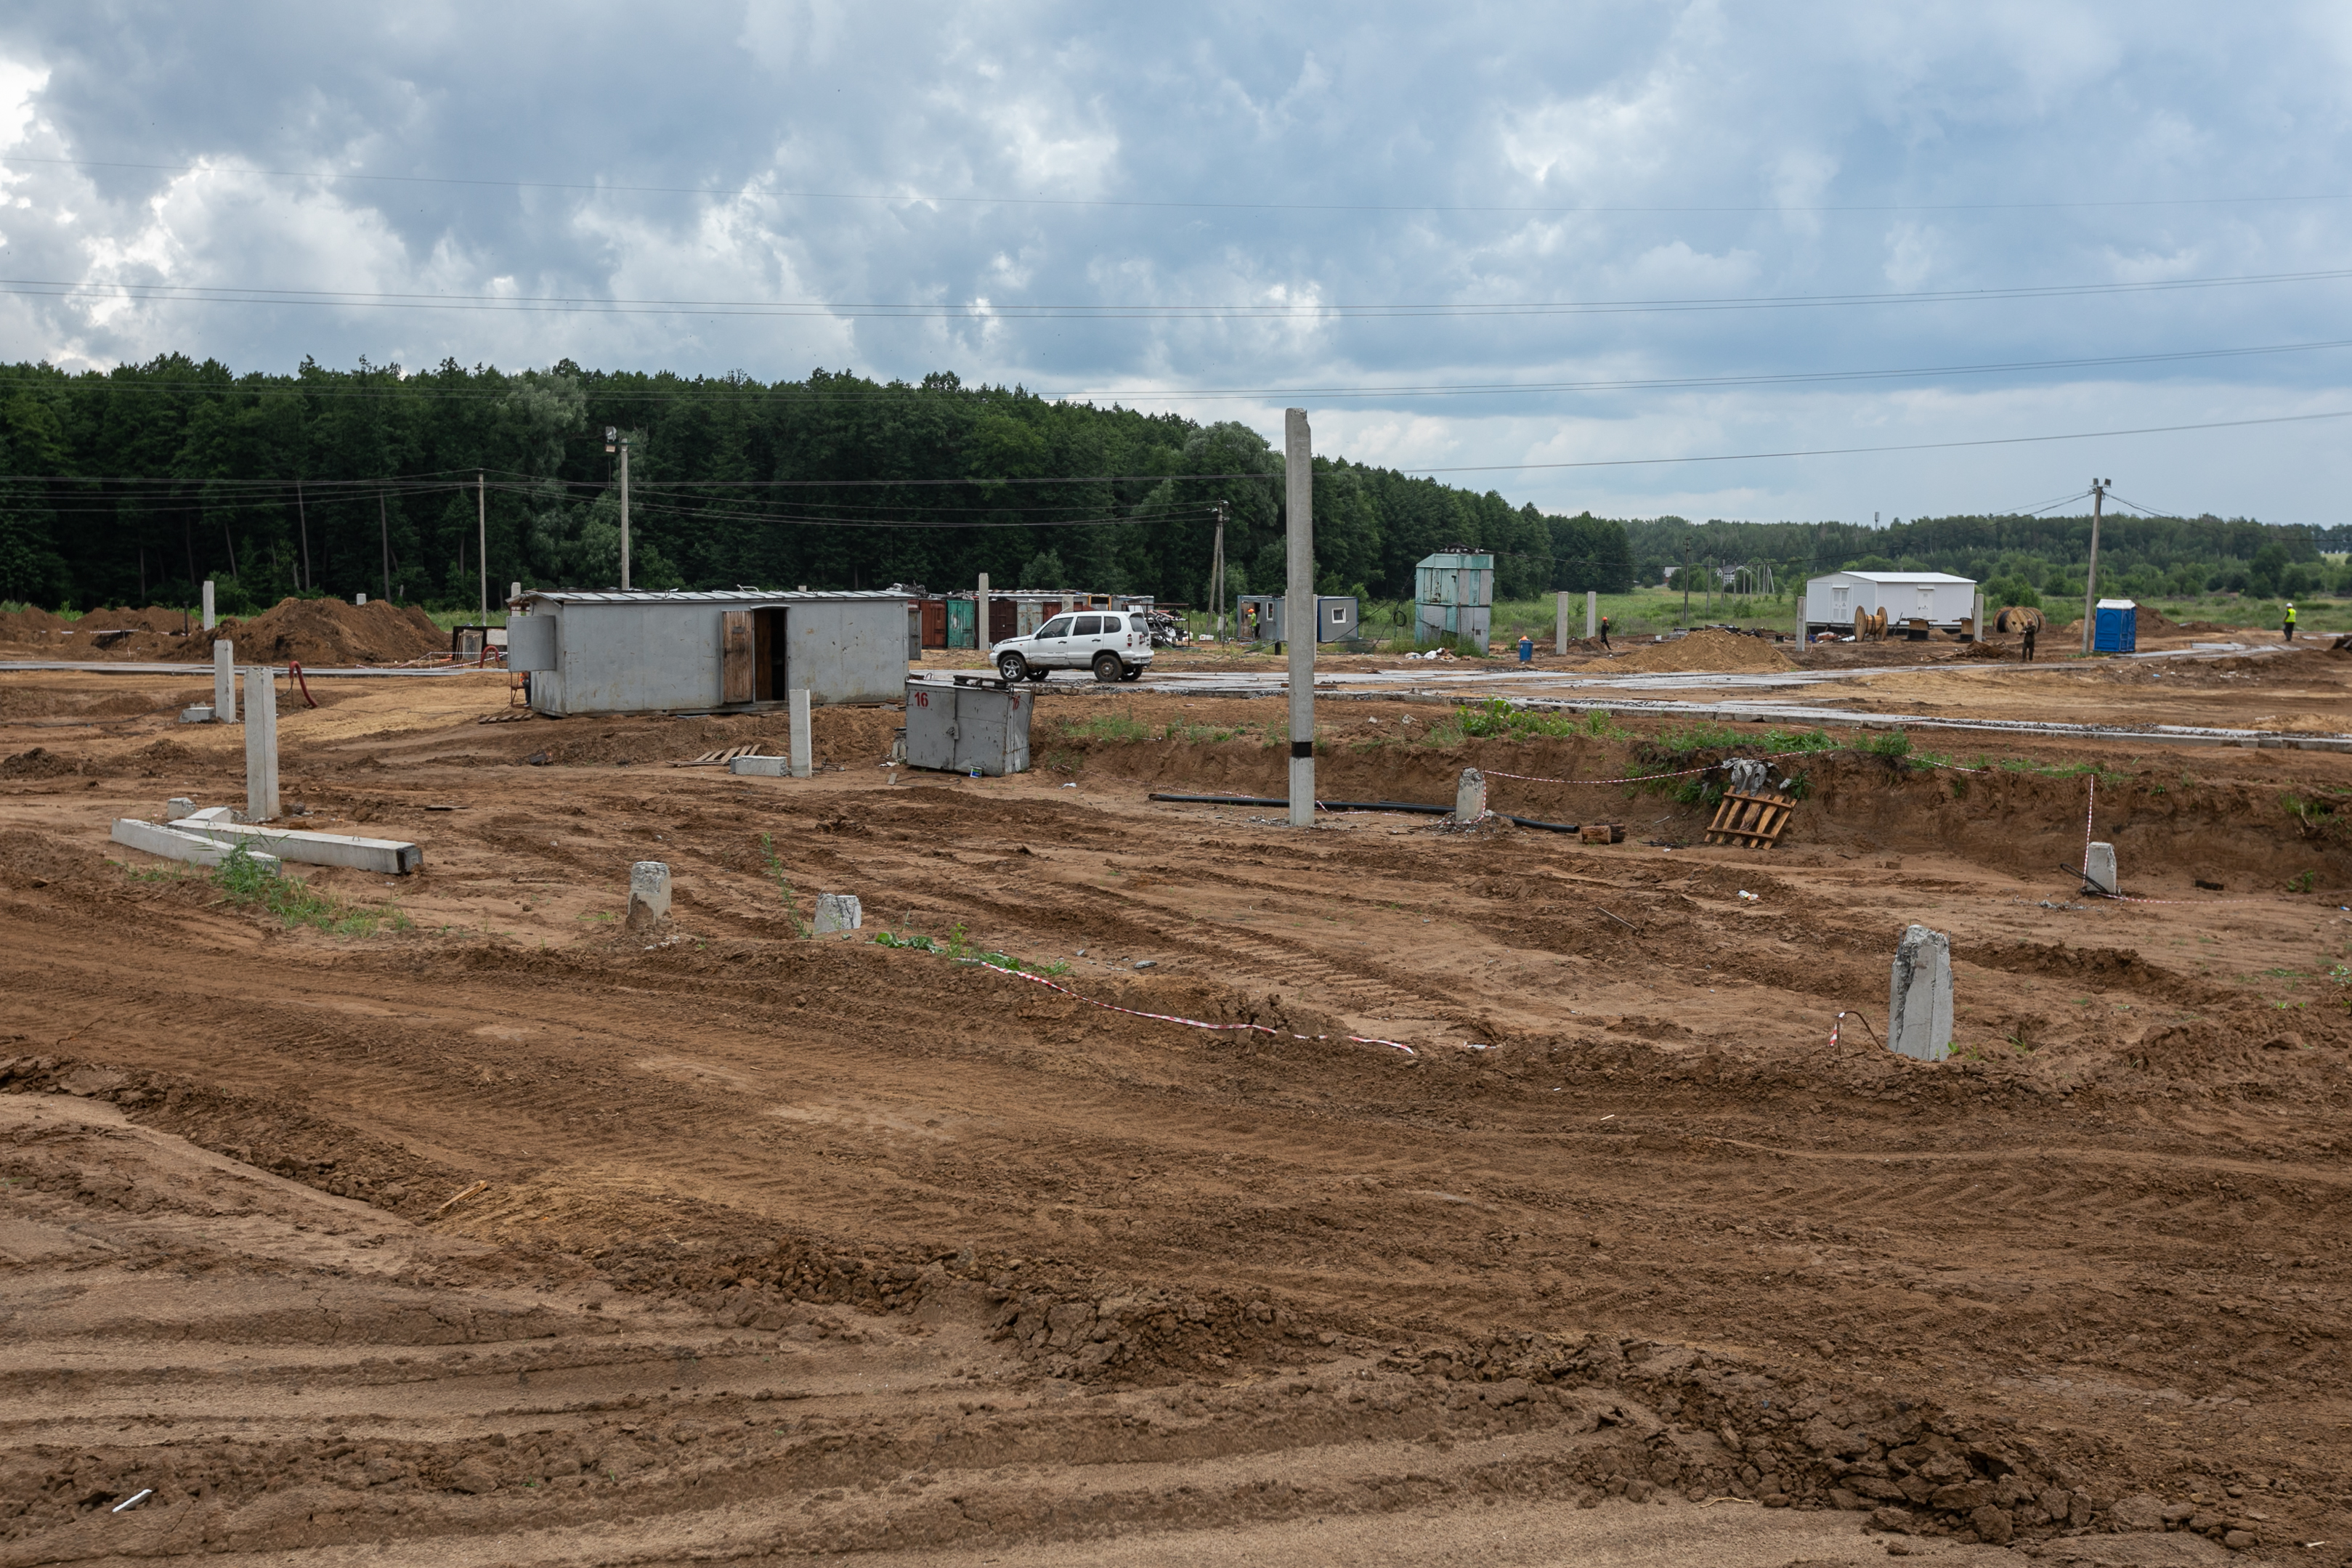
(138, 482)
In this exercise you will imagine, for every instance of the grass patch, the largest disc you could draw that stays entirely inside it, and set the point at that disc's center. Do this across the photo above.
(250, 884)
(1190, 734)
(1105, 726)
(1497, 719)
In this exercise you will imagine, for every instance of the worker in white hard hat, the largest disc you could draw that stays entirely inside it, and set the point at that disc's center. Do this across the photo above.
(2290, 619)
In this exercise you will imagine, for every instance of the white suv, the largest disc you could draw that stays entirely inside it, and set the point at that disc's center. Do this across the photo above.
(1115, 643)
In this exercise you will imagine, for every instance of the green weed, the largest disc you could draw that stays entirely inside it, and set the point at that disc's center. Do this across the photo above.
(783, 887)
(2303, 882)
(248, 882)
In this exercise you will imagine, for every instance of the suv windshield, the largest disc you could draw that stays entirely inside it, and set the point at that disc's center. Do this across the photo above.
(1058, 627)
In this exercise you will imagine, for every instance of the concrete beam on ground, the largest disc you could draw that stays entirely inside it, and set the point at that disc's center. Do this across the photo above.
(174, 844)
(393, 857)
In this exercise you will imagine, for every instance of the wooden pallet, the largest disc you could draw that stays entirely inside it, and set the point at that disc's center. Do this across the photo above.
(1753, 821)
(508, 716)
(722, 758)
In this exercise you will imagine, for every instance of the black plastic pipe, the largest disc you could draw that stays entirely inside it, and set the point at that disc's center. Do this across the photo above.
(1356, 806)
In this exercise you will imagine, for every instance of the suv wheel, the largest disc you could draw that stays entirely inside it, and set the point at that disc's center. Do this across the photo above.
(1132, 673)
(1012, 667)
(1107, 667)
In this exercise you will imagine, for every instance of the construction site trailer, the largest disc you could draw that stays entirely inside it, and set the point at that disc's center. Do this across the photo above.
(1259, 617)
(1939, 598)
(691, 652)
(2115, 629)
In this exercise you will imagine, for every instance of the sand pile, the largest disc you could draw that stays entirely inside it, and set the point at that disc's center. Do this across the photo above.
(1723, 651)
(325, 632)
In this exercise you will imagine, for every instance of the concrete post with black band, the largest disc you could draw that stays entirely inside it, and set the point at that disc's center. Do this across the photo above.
(1298, 620)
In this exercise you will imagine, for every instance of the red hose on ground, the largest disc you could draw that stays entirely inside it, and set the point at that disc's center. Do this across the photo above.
(294, 669)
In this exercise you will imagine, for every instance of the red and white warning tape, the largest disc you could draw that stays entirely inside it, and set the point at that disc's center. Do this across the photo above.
(1189, 1023)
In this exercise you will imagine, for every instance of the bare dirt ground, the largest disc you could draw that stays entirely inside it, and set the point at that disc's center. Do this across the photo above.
(502, 1234)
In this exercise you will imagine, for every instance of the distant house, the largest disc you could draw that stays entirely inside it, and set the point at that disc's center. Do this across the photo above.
(1938, 597)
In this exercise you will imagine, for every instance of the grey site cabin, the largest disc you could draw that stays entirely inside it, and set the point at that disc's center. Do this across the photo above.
(692, 653)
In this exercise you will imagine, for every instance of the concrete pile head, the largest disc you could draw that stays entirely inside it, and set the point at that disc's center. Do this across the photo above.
(1470, 796)
(649, 894)
(1919, 996)
(838, 912)
(2099, 869)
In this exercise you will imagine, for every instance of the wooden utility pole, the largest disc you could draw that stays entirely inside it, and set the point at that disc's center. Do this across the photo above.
(2091, 578)
(384, 526)
(1685, 583)
(482, 541)
(1217, 572)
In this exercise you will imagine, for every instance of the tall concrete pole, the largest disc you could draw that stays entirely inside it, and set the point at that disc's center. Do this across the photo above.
(1560, 624)
(1592, 612)
(1298, 619)
(624, 515)
(2091, 578)
(980, 621)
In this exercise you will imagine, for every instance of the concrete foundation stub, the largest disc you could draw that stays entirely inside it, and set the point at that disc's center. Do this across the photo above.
(224, 682)
(1470, 796)
(838, 912)
(261, 745)
(803, 747)
(648, 893)
(178, 808)
(2099, 869)
(1919, 996)
(760, 767)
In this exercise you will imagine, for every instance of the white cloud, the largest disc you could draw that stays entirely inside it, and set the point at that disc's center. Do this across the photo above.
(1705, 151)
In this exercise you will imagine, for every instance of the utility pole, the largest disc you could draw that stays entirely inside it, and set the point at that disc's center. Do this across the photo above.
(2091, 578)
(482, 524)
(1299, 621)
(302, 517)
(1217, 572)
(384, 526)
(1686, 581)
(614, 440)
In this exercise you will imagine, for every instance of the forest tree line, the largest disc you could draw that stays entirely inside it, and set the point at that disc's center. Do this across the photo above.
(139, 483)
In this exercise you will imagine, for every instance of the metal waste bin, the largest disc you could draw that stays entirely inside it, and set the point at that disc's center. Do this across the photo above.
(971, 722)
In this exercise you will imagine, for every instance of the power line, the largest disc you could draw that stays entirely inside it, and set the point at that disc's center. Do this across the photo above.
(1906, 446)
(1776, 377)
(558, 304)
(915, 199)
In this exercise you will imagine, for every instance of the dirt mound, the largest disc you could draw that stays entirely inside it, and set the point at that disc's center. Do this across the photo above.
(1715, 651)
(38, 763)
(16, 625)
(324, 633)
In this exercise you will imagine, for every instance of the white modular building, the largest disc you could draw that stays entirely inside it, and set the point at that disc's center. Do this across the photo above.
(694, 652)
(1942, 600)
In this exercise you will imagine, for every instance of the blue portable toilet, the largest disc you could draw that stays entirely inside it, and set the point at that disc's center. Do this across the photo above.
(2116, 629)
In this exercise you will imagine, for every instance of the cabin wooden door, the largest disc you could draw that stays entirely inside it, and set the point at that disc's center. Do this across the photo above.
(738, 671)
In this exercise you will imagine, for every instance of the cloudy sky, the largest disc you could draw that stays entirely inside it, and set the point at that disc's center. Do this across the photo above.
(1474, 240)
